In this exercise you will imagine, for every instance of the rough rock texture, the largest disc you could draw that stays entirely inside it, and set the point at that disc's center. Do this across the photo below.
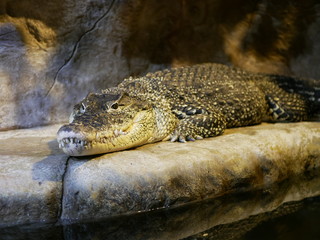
(227, 217)
(38, 183)
(31, 170)
(167, 174)
(40, 51)
(53, 53)
(224, 218)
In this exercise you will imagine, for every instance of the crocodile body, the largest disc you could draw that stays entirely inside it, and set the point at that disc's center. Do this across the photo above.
(182, 104)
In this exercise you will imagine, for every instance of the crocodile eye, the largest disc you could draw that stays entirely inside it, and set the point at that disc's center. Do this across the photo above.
(115, 106)
(82, 108)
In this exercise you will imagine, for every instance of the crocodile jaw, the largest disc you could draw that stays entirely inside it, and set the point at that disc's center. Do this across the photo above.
(75, 144)
(75, 140)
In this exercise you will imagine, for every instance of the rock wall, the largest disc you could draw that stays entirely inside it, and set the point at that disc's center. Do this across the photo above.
(53, 53)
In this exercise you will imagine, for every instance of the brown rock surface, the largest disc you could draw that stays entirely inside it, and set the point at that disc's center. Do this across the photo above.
(31, 170)
(39, 183)
(169, 174)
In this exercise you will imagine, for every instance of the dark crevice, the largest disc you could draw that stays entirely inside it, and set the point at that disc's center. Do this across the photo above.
(6, 33)
(60, 210)
(75, 48)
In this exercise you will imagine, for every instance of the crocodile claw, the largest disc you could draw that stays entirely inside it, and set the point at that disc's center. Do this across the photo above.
(189, 138)
(174, 138)
(181, 138)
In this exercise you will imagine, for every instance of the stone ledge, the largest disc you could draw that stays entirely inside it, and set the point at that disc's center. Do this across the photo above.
(32, 170)
(167, 174)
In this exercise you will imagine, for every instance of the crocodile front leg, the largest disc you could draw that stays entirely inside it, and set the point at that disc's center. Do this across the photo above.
(197, 124)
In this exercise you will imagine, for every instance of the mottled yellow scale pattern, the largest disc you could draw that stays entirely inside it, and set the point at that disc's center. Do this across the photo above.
(208, 98)
(186, 103)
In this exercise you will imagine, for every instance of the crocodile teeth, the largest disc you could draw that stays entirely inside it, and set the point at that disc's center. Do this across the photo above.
(66, 141)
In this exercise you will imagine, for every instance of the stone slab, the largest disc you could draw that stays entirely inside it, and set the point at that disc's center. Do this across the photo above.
(226, 217)
(38, 183)
(170, 174)
(31, 170)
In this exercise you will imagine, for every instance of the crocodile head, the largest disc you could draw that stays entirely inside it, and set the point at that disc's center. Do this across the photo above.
(112, 121)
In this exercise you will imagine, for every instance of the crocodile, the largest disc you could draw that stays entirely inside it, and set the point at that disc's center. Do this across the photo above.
(184, 104)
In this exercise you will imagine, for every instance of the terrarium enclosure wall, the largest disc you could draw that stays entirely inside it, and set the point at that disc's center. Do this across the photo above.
(52, 53)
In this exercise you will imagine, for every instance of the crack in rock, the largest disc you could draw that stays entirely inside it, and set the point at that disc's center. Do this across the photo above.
(75, 48)
(60, 210)
(6, 33)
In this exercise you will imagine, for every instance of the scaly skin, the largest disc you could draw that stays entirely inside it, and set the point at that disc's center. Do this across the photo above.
(182, 104)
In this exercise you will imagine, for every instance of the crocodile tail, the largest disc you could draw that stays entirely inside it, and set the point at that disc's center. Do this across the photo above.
(317, 103)
(297, 98)
(308, 88)
(314, 99)
(317, 98)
